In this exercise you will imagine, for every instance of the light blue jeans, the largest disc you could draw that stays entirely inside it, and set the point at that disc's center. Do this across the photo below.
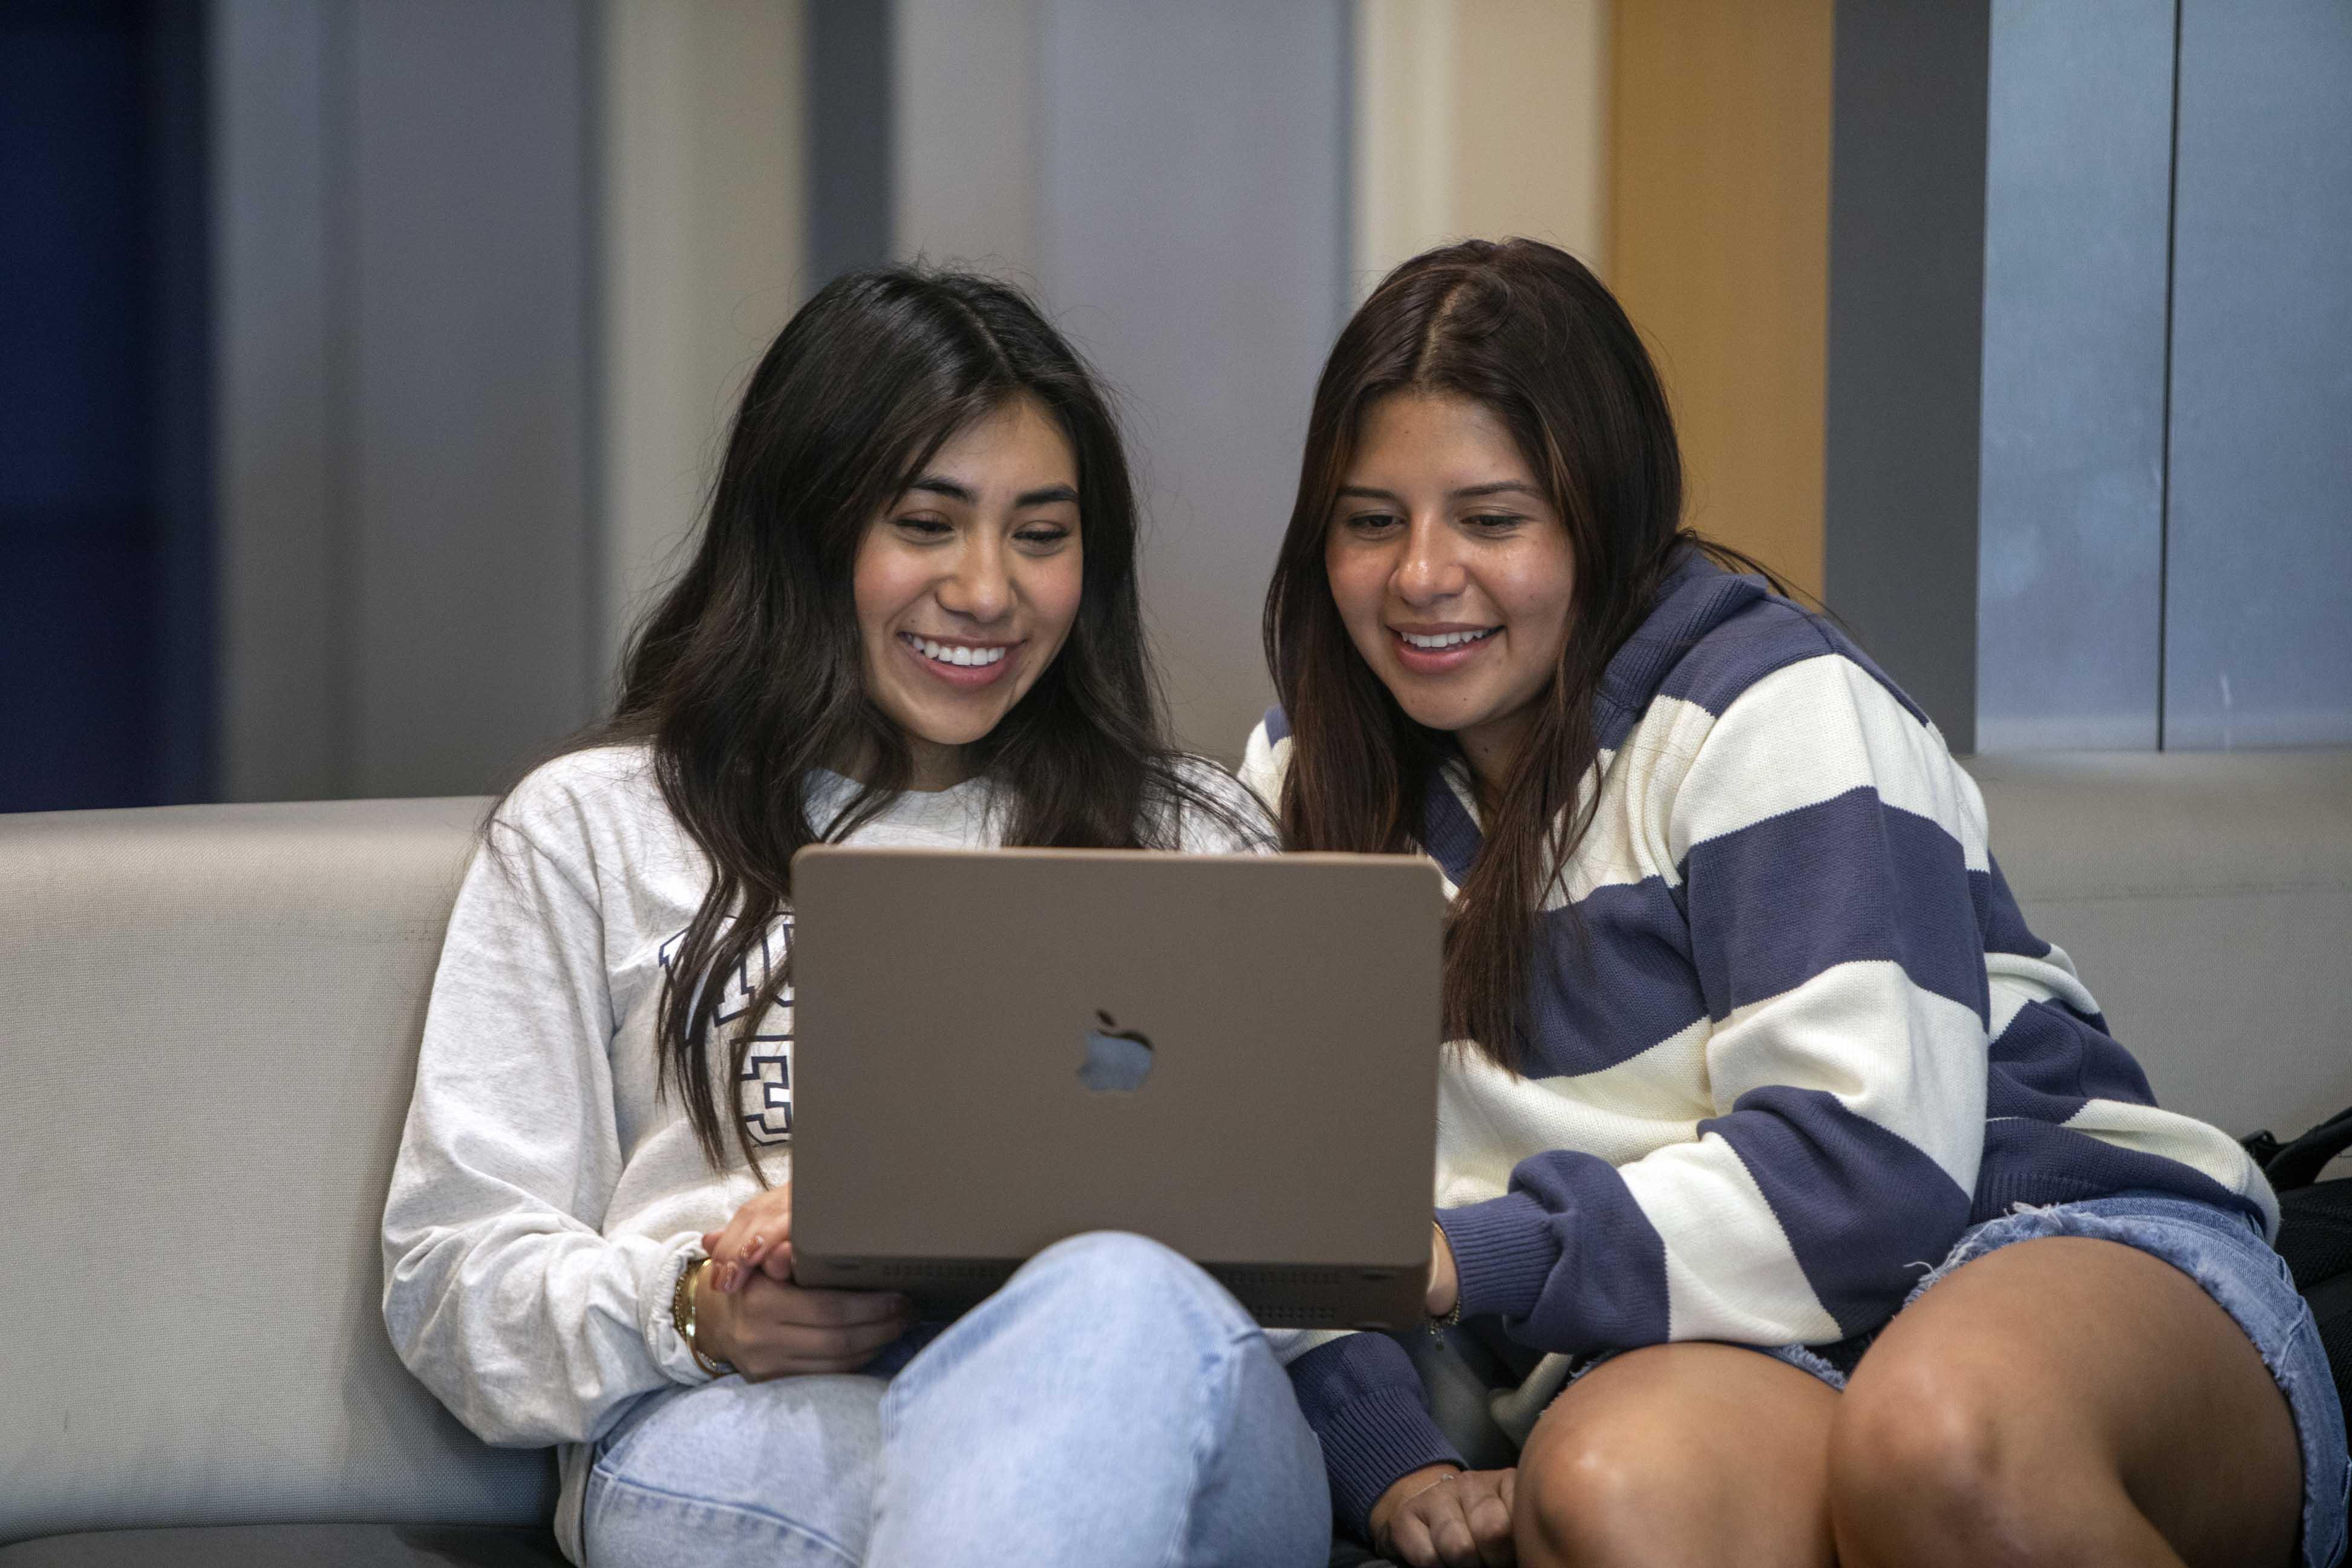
(1111, 1405)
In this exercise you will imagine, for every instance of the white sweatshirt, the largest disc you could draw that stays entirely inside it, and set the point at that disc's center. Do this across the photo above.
(547, 1193)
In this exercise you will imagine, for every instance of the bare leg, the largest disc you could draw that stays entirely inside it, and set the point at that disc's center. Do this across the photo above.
(1685, 1454)
(2064, 1401)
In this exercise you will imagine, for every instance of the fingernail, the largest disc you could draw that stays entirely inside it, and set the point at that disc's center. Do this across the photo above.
(728, 1276)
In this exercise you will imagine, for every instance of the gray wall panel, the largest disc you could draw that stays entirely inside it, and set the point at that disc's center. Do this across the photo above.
(2259, 636)
(1906, 300)
(2077, 219)
(469, 389)
(279, 659)
(1194, 241)
(851, 125)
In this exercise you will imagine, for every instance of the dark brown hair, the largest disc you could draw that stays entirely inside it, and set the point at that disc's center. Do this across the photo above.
(749, 675)
(1526, 331)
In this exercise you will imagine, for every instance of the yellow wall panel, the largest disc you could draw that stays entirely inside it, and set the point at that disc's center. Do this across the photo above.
(1718, 229)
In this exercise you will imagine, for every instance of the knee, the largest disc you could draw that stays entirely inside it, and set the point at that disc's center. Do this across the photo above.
(1924, 1470)
(1110, 1277)
(1587, 1496)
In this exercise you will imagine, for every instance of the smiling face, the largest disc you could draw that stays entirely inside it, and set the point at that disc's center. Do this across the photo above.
(968, 584)
(1452, 571)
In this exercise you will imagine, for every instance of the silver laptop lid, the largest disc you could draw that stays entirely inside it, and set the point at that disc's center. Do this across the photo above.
(1235, 1054)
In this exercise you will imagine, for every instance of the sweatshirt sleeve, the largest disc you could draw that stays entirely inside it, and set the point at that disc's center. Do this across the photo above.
(1364, 1402)
(1825, 844)
(500, 1293)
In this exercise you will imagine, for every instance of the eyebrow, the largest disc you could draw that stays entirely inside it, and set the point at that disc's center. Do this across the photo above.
(932, 484)
(1467, 492)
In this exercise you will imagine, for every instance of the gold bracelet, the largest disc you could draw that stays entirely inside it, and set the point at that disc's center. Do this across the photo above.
(681, 1317)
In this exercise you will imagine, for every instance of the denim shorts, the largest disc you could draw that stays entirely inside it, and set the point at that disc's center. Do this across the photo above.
(2225, 1253)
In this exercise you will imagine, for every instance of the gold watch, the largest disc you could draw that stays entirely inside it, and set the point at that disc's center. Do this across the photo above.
(681, 1314)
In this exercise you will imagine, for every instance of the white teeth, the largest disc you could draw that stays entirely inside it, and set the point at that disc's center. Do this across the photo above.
(1445, 639)
(956, 654)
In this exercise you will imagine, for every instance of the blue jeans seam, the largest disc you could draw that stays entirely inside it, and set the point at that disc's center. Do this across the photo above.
(1220, 1370)
(748, 1510)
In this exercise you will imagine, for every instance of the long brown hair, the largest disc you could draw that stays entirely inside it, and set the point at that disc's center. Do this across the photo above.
(748, 676)
(1526, 331)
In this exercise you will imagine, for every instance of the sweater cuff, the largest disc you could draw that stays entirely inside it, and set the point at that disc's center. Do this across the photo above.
(1504, 1252)
(1364, 1401)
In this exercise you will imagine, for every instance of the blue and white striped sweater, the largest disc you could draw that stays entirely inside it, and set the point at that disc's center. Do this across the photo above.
(1803, 1040)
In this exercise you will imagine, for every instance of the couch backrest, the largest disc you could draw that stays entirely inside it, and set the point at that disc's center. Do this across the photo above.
(210, 1018)
(2207, 899)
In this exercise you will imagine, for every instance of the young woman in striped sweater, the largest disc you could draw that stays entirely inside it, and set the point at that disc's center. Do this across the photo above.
(1753, 1052)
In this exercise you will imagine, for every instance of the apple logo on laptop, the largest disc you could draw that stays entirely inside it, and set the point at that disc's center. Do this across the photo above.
(1116, 1059)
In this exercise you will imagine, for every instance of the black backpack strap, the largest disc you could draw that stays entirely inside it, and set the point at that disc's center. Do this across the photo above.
(2298, 1163)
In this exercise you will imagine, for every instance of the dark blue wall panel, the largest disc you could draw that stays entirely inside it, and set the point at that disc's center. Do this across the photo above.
(101, 465)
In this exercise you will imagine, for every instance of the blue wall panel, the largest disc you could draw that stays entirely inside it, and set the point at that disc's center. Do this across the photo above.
(2258, 647)
(2070, 491)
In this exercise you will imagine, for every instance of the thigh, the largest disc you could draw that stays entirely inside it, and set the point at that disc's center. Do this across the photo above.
(732, 1472)
(2075, 1363)
(1681, 1454)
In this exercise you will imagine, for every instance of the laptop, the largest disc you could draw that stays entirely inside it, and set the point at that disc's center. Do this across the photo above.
(1235, 1054)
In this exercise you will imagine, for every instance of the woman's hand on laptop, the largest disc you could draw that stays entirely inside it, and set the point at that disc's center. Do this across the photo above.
(750, 1313)
(1441, 1516)
(766, 1328)
(758, 1239)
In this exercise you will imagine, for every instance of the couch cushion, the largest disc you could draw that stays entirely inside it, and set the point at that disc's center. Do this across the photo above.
(2207, 899)
(294, 1546)
(212, 1015)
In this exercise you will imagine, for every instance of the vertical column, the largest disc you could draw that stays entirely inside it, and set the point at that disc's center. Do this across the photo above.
(851, 130)
(703, 169)
(1193, 238)
(1719, 182)
(2078, 229)
(1905, 312)
(282, 670)
(964, 190)
(2258, 646)
(471, 562)
(1435, 161)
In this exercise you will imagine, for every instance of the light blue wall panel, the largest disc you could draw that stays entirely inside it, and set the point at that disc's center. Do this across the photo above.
(1192, 231)
(2259, 579)
(2071, 490)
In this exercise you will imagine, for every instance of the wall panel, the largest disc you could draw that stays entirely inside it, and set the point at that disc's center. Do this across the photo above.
(469, 393)
(1192, 221)
(1903, 404)
(1719, 192)
(2258, 646)
(2078, 190)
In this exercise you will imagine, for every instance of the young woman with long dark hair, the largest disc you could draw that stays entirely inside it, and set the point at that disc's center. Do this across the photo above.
(1753, 1051)
(911, 618)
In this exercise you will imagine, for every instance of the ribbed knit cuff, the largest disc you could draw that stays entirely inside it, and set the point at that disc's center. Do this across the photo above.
(1504, 1250)
(1364, 1401)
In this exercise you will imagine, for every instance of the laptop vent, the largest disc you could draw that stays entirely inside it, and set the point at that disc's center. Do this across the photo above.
(888, 1271)
(1277, 1316)
(1239, 1276)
